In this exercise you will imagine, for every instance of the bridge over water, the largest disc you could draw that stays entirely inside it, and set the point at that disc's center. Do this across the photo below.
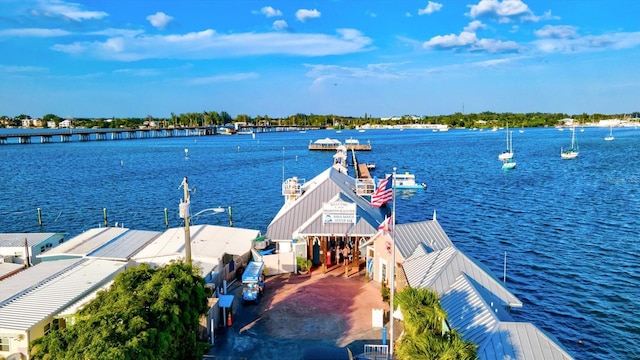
(45, 136)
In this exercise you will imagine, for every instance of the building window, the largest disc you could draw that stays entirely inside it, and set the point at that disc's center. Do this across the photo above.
(47, 328)
(4, 344)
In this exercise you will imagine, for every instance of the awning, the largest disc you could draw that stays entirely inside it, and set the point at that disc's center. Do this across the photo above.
(225, 301)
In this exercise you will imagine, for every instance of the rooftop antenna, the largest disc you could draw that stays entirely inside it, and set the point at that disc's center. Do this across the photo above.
(283, 164)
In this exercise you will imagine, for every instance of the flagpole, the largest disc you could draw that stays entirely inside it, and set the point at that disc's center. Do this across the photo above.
(393, 262)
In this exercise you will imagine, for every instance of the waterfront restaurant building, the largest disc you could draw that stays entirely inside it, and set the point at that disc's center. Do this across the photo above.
(322, 217)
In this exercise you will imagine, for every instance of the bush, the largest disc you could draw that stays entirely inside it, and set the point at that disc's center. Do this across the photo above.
(303, 264)
(385, 292)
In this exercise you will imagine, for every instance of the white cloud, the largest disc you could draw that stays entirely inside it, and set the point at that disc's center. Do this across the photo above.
(452, 40)
(71, 11)
(468, 39)
(430, 9)
(208, 44)
(22, 69)
(33, 32)
(280, 25)
(159, 20)
(557, 32)
(223, 78)
(584, 44)
(268, 11)
(474, 25)
(502, 10)
(304, 14)
(323, 73)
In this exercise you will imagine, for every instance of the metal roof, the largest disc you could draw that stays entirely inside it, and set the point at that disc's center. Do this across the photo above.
(479, 319)
(86, 242)
(330, 185)
(527, 343)
(126, 245)
(408, 236)
(208, 244)
(31, 277)
(440, 269)
(56, 292)
(33, 239)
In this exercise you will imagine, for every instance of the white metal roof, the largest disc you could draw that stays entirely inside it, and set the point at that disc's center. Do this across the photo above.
(480, 320)
(126, 245)
(86, 242)
(31, 277)
(208, 244)
(440, 269)
(56, 292)
(17, 239)
(429, 233)
(302, 215)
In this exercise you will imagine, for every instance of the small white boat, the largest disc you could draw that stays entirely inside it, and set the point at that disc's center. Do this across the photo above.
(407, 181)
(508, 153)
(572, 152)
(610, 136)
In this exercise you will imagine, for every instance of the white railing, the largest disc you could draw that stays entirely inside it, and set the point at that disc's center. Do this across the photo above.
(376, 352)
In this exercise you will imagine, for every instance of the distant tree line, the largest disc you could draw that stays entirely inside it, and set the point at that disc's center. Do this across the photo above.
(214, 118)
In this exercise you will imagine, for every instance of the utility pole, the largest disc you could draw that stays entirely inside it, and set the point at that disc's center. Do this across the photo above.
(184, 213)
(393, 263)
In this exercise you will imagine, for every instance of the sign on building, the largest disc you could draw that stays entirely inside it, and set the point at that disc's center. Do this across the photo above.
(339, 212)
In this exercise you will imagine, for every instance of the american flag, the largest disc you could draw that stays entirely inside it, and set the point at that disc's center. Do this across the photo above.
(384, 193)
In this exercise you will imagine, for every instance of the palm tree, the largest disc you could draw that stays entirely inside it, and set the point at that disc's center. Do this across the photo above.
(426, 337)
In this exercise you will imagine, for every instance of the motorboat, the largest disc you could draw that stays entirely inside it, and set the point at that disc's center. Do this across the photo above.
(407, 181)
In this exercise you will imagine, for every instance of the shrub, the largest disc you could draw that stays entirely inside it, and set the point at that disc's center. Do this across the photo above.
(303, 264)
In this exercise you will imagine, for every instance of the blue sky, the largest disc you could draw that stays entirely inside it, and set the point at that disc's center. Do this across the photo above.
(278, 58)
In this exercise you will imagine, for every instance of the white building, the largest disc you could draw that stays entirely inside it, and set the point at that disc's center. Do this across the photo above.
(217, 250)
(31, 301)
(17, 247)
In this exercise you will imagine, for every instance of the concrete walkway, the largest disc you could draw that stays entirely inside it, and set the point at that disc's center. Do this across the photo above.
(302, 311)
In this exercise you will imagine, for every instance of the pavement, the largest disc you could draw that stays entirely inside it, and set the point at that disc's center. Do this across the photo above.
(298, 312)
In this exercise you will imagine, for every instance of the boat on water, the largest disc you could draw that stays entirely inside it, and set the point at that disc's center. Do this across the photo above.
(508, 153)
(572, 152)
(407, 181)
(610, 136)
(509, 164)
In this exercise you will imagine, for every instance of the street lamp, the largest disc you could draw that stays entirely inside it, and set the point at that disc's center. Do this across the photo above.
(216, 210)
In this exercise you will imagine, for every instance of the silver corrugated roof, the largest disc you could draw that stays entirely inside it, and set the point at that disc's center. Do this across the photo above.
(526, 341)
(126, 245)
(86, 242)
(330, 185)
(430, 233)
(440, 269)
(17, 239)
(479, 320)
(60, 290)
(31, 277)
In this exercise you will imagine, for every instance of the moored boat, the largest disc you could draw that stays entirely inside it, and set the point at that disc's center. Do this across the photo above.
(407, 181)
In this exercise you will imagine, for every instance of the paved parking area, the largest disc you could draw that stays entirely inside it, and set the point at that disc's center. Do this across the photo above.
(300, 311)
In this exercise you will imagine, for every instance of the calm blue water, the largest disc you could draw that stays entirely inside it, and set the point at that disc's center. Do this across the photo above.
(570, 228)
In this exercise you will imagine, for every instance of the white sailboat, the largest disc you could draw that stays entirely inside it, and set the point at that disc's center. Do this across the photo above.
(572, 152)
(610, 136)
(508, 153)
(509, 163)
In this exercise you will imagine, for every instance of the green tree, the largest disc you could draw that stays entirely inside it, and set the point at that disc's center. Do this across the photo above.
(426, 337)
(146, 314)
